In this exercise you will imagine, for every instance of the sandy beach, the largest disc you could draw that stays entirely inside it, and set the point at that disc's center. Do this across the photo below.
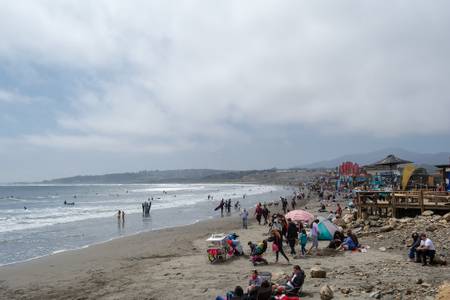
(172, 264)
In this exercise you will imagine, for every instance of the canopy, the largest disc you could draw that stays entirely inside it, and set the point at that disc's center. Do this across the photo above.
(391, 160)
(300, 215)
(326, 229)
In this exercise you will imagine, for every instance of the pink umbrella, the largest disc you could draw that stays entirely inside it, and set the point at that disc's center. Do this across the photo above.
(300, 215)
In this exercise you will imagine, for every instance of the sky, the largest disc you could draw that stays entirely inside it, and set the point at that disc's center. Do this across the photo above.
(92, 87)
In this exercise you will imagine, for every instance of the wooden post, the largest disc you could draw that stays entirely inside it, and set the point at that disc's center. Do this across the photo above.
(359, 206)
(393, 205)
(422, 206)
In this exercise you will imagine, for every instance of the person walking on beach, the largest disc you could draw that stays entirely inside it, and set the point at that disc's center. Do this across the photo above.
(265, 213)
(292, 235)
(258, 213)
(119, 215)
(303, 239)
(123, 217)
(277, 244)
(221, 206)
(244, 215)
(315, 236)
(293, 203)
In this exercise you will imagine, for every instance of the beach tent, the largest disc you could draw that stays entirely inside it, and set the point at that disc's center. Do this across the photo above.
(326, 229)
(300, 215)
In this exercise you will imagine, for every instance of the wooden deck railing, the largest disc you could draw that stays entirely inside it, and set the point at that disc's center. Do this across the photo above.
(378, 202)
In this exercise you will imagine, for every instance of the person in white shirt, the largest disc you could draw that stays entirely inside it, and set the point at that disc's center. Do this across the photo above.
(426, 249)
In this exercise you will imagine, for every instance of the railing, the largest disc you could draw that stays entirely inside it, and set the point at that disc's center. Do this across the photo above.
(370, 201)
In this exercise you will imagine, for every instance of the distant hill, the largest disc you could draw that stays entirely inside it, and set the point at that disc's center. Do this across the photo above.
(157, 176)
(371, 157)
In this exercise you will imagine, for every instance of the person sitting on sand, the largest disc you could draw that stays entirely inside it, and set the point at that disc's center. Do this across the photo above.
(237, 294)
(294, 282)
(426, 249)
(265, 291)
(350, 242)
(412, 254)
(338, 239)
(322, 208)
(254, 281)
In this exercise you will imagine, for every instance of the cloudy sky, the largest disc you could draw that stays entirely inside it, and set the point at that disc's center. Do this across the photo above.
(89, 87)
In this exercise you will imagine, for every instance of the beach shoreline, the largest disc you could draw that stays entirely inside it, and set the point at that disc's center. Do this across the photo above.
(172, 263)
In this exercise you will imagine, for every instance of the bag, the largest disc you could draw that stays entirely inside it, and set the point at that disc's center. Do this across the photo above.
(275, 247)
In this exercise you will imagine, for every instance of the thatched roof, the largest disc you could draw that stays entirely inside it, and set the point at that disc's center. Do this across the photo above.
(391, 160)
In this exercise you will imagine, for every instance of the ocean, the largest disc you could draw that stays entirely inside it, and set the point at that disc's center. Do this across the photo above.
(34, 221)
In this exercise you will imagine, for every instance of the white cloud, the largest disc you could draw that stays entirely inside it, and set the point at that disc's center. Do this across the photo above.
(7, 96)
(169, 73)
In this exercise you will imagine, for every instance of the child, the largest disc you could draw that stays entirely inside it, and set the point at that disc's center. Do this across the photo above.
(303, 239)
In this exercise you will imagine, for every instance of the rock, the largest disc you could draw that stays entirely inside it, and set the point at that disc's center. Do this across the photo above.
(428, 213)
(317, 272)
(367, 288)
(346, 291)
(425, 285)
(446, 217)
(444, 291)
(382, 249)
(431, 228)
(386, 228)
(436, 217)
(419, 281)
(439, 260)
(326, 293)
(348, 218)
(405, 220)
(376, 295)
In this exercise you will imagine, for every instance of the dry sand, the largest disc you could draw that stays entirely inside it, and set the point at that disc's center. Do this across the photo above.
(172, 264)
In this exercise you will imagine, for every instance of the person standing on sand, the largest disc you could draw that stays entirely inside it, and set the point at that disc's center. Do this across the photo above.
(123, 217)
(258, 213)
(119, 215)
(338, 211)
(265, 213)
(277, 244)
(292, 235)
(315, 236)
(244, 215)
(293, 203)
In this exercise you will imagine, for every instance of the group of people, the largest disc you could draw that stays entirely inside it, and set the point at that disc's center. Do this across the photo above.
(146, 206)
(226, 205)
(261, 211)
(260, 288)
(421, 248)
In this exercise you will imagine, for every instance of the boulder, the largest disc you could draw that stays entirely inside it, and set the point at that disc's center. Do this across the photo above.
(431, 228)
(318, 272)
(326, 293)
(386, 228)
(348, 218)
(427, 213)
(446, 217)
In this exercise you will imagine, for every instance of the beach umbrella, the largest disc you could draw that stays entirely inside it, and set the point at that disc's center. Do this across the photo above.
(300, 215)
(326, 229)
